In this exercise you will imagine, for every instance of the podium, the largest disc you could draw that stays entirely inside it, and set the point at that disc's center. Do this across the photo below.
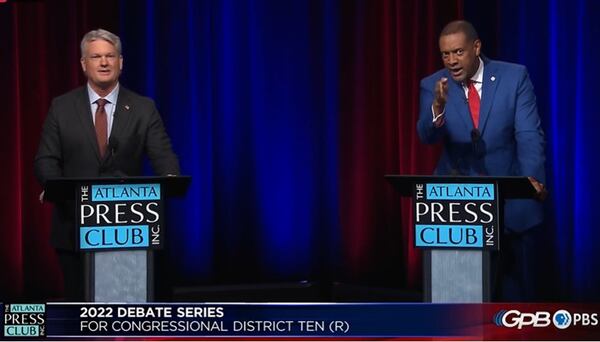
(119, 222)
(458, 223)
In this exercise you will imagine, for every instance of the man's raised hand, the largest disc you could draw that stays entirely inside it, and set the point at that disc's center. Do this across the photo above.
(440, 95)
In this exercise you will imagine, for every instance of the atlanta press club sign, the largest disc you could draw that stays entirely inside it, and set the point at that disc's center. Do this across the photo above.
(456, 215)
(116, 216)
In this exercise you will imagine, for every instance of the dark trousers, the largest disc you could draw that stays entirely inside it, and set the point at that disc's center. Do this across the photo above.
(514, 267)
(71, 263)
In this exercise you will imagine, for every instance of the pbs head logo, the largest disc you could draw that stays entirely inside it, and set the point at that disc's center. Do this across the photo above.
(562, 319)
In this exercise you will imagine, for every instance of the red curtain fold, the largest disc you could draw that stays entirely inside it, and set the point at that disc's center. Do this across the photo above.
(386, 48)
(39, 59)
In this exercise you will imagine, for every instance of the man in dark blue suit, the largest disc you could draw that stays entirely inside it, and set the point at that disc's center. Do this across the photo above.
(485, 114)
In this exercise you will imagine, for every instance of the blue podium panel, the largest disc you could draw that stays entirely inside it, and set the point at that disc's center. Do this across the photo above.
(456, 276)
(121, 276)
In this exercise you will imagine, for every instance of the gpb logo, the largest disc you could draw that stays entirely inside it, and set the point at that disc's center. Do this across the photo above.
(516, 318)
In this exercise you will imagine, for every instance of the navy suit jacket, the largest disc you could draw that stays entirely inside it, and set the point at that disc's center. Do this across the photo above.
(511, 140)
(68, 148)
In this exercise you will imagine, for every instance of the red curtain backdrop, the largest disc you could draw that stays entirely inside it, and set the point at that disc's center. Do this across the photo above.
(39, 59)
(387, 47)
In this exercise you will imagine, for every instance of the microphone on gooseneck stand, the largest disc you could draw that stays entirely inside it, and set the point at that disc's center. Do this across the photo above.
(113, 145)
(110, 166)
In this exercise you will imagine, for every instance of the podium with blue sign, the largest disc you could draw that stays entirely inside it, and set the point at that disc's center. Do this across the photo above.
(457, 221)
(119, 221)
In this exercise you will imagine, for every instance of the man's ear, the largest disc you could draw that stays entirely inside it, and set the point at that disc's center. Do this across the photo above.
(477, 46)
(82, 60)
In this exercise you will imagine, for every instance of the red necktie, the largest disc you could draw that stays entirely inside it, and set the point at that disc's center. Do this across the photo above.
(474, 103)
(101, 124)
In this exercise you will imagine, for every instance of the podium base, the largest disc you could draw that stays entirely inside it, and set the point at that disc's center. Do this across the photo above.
(456, 276)
(120, 276)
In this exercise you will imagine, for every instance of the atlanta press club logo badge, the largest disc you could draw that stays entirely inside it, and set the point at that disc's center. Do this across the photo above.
(24, 320)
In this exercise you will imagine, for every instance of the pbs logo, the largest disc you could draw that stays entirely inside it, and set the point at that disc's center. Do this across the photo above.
(562, 319)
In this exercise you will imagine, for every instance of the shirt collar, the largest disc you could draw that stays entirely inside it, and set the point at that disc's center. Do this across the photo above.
(478, 77)
(111, 97)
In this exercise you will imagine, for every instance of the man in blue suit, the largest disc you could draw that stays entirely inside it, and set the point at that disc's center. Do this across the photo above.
(485, 114)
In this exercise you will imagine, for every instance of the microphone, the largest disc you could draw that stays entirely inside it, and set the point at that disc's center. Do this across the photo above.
(475, 135)
(113, 145)
(477, 144)
(109, 166)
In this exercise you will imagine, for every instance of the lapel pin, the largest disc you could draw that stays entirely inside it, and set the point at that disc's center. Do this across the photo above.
(127, 107)
(493, 78)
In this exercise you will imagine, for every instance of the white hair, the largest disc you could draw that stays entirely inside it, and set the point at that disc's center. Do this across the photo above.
(100, 34)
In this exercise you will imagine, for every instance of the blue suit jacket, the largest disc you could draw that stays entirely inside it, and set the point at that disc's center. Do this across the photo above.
(511, 139)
